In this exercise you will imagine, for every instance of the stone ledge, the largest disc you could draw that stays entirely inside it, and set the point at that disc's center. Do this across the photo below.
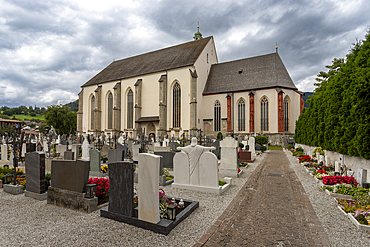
(40, 197)
(218, 190)
(72, 200)
(13, 189)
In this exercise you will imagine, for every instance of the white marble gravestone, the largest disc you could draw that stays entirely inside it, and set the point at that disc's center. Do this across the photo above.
(120, 140)
(208, 172)
(229, 158)
(337, 166)
(321, 158)
(361, 176)
(45, 146)
(251, 143)
(135, 152)
(4, 152)
(23, 154)
(11, 159)
(341, 159)
(85, 150)
(327, 160)
(245, 144)
(60, 149)
(148, 187)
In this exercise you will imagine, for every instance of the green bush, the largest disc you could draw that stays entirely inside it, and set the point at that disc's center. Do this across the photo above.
(289, 146)
(261, 140)
(47, 180)
(220, 136)
(263, 148)
(221, 183)
(299, 149)
(241, 145)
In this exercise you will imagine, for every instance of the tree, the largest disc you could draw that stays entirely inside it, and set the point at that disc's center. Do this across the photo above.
(62, 119)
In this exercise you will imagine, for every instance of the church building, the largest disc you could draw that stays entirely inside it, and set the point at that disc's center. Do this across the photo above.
(184, 90)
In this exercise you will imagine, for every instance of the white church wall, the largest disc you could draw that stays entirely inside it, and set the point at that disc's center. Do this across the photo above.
(203, 68)
(272, 97)
(150, 95)
(237, 97)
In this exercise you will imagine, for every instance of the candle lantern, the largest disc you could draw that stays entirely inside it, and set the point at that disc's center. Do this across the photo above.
(7, 178)
(90, 190)
(171, 211)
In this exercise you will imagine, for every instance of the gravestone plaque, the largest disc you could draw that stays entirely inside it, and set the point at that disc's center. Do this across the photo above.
(35, 170)
(361, 176)
(4, 152)
(70, 175)
(217, 151)
(85, 149)
(68, 155)
(167, 158)
(95, 160)
(76, 150)
(115, 155)
(30, 147)
(258, 147)
(123, 147)
(60, 149)
(121, 188)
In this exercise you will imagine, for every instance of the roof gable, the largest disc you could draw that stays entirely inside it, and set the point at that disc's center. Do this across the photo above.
(168, 58)
(259, 72)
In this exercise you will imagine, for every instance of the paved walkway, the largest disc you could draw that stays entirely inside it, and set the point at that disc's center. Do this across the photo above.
(271, 209)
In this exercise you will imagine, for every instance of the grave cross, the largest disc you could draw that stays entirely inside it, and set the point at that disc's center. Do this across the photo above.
(173, 143)
(17, 145)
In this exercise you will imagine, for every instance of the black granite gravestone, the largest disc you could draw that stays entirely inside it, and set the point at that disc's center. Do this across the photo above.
(217, 151)
(68, 155)
(70, 175)
(123, 147)
(115, 155)
(258, 147)
(121, 188)
(167, 158)
(35, 170)
(30, 147)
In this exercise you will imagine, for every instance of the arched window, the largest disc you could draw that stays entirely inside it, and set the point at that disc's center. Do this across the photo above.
(176, 105)
(130, 109)
(241, 115)
(286, 114)
(217, 116)
(92, 113)
(110, 111)
(264, 114)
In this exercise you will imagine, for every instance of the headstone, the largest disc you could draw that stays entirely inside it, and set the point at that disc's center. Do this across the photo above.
(70, 175)
(245, 143)
(4, 152)
(208, 171)
(327, 160)
(45, 146)
(341, 159)
(60, 149)
(76, 150)
(321, 158)
(229, 159)
(35, 170)
(68, 155)
(251, 143)
(361, 176)
(167, 158)
(258, 147)
(123, 147)
(121, 188)
(11, 159)
(30, 147)
(181, 168)
(115, 155)
(162, 149)
(217, 151)
(120, 140)
(85, 150)
(24, 150)
(95, 160)
(135, 152)
(148, 188)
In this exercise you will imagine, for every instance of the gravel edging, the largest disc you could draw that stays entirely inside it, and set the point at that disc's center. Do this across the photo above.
(27, 222)
(338, 227)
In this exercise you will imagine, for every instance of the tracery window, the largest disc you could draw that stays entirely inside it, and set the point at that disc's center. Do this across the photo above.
(241, 115)
(176, 105)
(110, 111)
(264, 114)
(92, 112)
(217, 116)
(130, 109)
(286, 114)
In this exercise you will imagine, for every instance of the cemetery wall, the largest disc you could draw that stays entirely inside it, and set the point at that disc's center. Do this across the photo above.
(351, 162)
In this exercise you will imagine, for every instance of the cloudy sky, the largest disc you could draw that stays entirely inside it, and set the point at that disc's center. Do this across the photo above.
(48, 49)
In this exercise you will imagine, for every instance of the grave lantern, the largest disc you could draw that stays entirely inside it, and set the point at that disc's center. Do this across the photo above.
(90, 190)
(171, 211)
(7, 178)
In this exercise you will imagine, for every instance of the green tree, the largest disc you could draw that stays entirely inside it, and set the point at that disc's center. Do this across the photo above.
(62, 119)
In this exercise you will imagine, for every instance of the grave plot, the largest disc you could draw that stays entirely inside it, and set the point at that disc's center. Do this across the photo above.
(154, 211)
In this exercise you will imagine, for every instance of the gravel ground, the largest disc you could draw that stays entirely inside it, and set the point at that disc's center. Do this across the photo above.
(338, 227)
(28, 222)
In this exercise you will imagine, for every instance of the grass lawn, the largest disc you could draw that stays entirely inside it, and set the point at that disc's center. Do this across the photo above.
(275, 147)
(22, 117)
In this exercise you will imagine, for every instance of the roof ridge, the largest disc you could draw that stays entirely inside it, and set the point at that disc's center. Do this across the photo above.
(241, 59)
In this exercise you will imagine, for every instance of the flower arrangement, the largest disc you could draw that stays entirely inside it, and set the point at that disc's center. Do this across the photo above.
(332, 180)
(164, 201)
(102, 185)
(305, 158)
(104, 168)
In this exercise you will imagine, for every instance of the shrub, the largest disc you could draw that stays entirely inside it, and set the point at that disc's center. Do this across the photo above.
(262, 140)
(299, 149)
(241, 145)
(220, 136)
(263, 148)
(289, 146)
(361, 219)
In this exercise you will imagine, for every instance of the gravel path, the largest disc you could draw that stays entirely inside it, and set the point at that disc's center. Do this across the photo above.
(28, 222)
(339, 229)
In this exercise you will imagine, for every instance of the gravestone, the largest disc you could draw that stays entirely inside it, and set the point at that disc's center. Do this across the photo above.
(85, 150)
(95, 160)
(4, 152)
(245, 143)
(35, 170)
(68, 155)
(60, 149)
(70, 175)
(258, 147)
(229, 159)
(121, 188)
(121, 140)
(123, 147)
(148, 188)
(76, 150)
(208, 172)
(327, 160)
(45, 146)
(30, 147)
(135, 152)
(167, 158)
(115, 155)
(361, 176)
(217, 151)
(11, 159)
(129, 144)
(321, 158)
(251, 143)
(341, 159)
(24, 150)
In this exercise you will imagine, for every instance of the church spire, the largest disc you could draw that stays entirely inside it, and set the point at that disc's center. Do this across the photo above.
(198, 35)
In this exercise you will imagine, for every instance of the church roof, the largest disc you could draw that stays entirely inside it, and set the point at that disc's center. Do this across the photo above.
(165, 59)
(259, 72)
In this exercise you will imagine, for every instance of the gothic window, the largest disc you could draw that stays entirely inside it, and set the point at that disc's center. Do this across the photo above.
(130, 109)
(286, 114)
(110, 111)
(217, 116)
(241, 115)
(264, 114)
(176, 105)
(92, 114)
